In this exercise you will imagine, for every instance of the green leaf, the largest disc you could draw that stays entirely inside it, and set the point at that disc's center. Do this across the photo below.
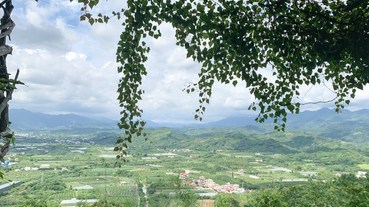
(290, 107)
(234, 83)
(91, 21)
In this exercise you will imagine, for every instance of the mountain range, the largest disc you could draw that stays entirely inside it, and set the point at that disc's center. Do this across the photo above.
(324, 121)
(22, 119)
(303, 119)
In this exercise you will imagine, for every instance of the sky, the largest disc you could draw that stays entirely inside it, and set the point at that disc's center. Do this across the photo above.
(69, 66)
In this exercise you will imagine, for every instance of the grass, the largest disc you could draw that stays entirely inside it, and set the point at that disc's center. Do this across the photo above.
(363, 166)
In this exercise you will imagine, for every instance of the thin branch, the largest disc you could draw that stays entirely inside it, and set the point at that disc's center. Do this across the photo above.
(308, 90)
(319, 102)
(328, 87)
(4, 2)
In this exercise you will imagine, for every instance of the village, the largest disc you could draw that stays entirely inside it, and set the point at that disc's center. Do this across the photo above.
(208, 184)
(87, 172)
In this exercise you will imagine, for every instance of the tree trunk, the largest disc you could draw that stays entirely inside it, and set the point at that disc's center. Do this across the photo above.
(6, 27)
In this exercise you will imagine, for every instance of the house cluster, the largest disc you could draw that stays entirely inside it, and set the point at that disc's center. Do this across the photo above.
(80, 150)
(184, 175)
(358, 174)
(167, 154)
(182, 150)
(203, 183)
(361, 174)
(75, 202)
(42, 167)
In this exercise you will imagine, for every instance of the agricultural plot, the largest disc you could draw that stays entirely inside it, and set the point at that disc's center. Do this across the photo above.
(80, 168)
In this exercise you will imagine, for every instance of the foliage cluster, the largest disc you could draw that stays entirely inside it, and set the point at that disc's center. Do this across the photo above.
(35, 203)
(193, 151)
(346, 191)
(50, 184)
(304, 42)
(183, 198)
(224, 200)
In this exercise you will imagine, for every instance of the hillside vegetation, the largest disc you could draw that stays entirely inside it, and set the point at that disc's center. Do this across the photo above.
(307, 166)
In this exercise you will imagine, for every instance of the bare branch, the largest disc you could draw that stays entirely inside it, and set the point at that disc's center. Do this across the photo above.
(10, 24)
(5, 50)
(8, 28)
(319, 102)
(4, 149)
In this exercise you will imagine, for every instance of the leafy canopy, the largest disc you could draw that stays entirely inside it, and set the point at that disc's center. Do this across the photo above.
(305, 42)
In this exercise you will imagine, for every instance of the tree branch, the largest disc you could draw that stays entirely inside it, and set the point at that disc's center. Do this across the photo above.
(7, 28)
(5, 49)
(8, 95)
(4, 149)
(319, 102)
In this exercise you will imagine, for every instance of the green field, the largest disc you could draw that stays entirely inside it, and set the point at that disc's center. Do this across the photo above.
(82, 166)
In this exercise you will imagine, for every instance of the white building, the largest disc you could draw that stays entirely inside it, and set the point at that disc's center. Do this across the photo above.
(73, 202)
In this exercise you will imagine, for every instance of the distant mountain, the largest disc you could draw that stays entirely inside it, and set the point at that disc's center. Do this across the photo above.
(213, 139)
(232, 122)
(347, 125)
(294, 120)
(25, 120)
(152, 124)
(302, 119)
(328, 116)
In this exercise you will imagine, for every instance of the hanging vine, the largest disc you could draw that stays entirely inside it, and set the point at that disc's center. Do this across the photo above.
(305, 42)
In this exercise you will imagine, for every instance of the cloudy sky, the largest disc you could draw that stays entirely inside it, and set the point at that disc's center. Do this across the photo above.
(69, 67)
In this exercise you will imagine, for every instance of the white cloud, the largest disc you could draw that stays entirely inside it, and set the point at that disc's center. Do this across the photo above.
(66, 66)
(69, 67)
(70, 56)
(64, 83)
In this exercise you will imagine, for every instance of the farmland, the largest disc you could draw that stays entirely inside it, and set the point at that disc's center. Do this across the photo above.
(56, 166)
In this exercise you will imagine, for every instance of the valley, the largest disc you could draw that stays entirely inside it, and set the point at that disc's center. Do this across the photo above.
(186, 166)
